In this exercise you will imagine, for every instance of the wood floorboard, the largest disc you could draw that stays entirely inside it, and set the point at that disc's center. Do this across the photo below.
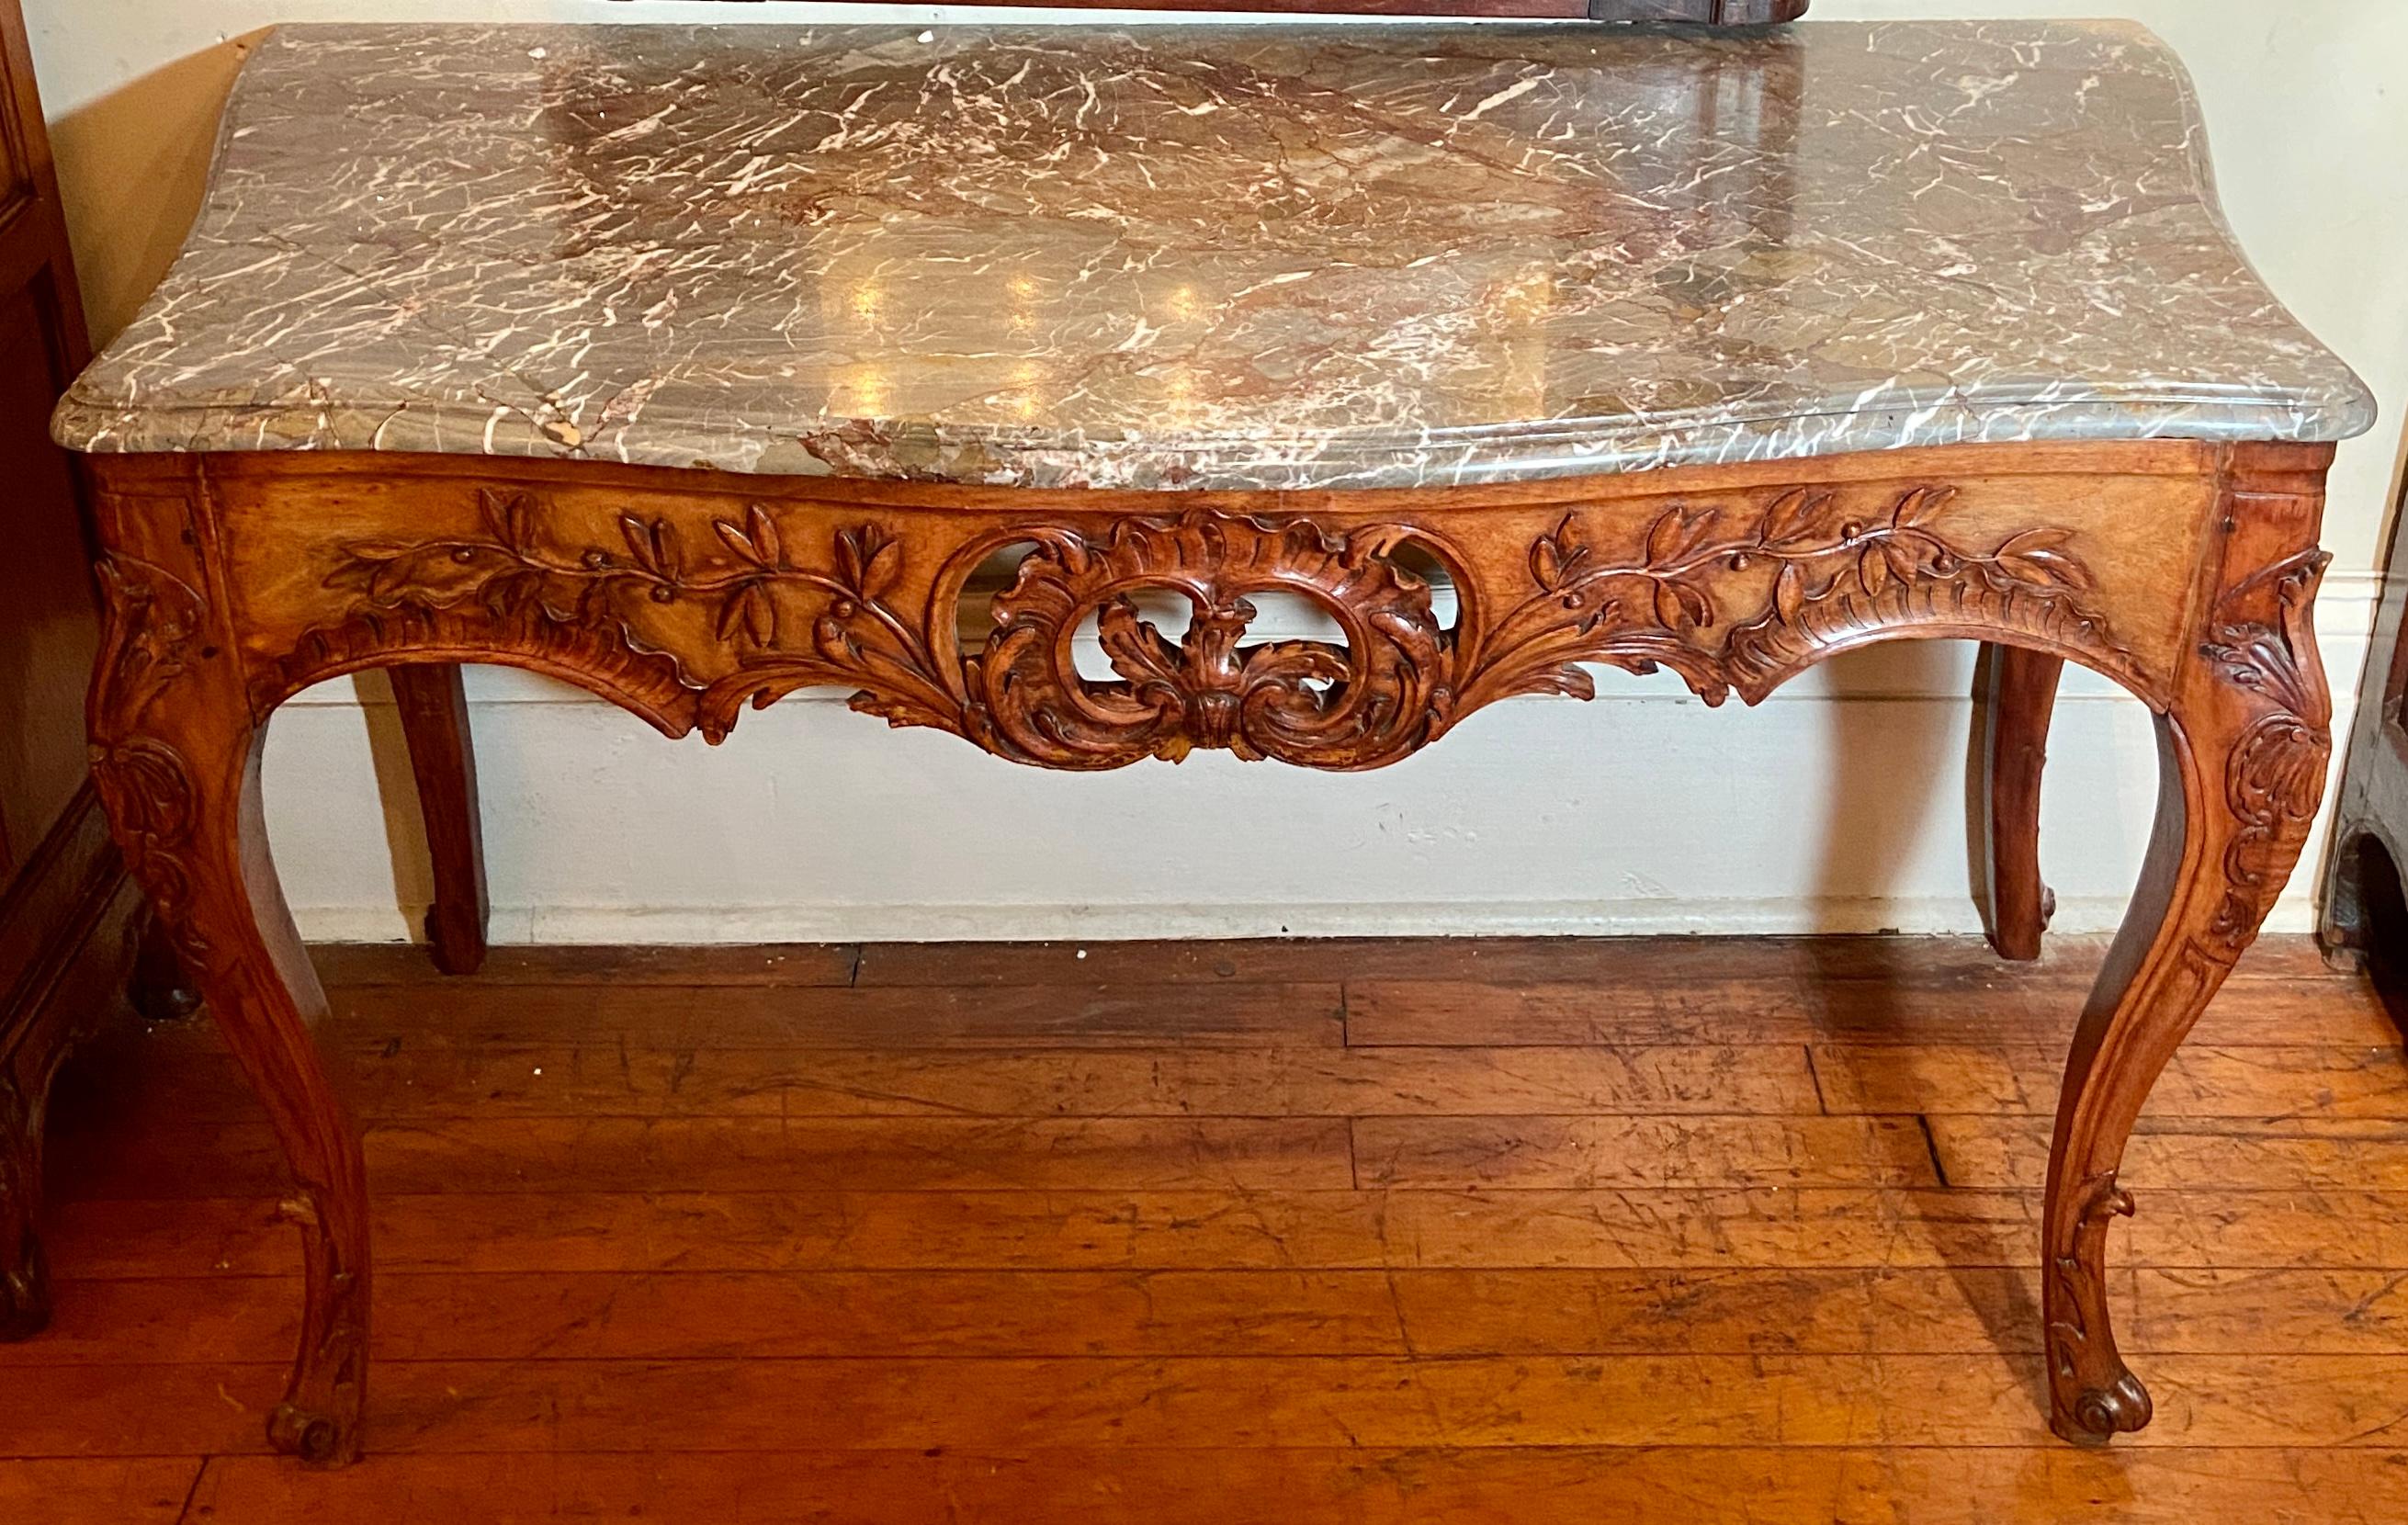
(1204, 1230)
(106, 1491)
(1507, 1230)
(754, 1405)
(348, 964)
(1133, 1486)
(533, 1155)
(668, 1315)
(802, 1017)
(423, 1081)
(1428, 1012)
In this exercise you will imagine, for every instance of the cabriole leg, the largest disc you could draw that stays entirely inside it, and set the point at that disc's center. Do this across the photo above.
(184, 799)
(175, 754)
(2245, 747)
(2015, 693)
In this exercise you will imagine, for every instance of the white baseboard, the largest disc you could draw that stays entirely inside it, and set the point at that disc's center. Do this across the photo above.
(923, 923)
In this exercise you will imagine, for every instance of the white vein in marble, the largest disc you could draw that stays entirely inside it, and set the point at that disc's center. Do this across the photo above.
(1207, 257)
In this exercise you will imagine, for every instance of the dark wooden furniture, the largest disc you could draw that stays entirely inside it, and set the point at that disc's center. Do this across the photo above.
(2366, 901)
(66, 910)
(695, 433)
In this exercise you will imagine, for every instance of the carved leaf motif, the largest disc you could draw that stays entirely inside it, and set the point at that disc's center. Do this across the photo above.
(638, 537)
(1796, 518)
(1556, 559)
(885, 564)
(2039, 555)
(747, 549)
(1921, 506)
(1678, 533)
(509, 517)
(1873, 570)
(766, 542)
(1790, 593)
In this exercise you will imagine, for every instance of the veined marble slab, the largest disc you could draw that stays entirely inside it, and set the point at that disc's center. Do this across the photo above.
(1206, 256)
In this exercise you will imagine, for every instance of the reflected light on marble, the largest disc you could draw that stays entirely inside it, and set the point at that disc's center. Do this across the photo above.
(1208, 256)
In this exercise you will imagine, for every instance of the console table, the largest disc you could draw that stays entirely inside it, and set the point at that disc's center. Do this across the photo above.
(698, 366)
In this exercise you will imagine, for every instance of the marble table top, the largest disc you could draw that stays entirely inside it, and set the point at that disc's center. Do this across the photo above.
(1204, 257)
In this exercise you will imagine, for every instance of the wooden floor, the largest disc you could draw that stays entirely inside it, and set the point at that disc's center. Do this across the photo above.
(1371, 1231)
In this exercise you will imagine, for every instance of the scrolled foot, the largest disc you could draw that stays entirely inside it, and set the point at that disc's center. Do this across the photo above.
(2101, 1414)
(320, 1439)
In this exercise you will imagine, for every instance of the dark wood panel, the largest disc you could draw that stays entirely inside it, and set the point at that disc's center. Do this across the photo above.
(63, 946)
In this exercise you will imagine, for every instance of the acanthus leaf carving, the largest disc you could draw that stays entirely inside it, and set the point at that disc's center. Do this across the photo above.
(147, 789)
(153, 618)
(2275, 773)
(2122, 1403)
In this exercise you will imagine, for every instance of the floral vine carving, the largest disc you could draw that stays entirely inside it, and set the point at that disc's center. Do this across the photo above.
(1730, 598)
(2122, 1403)
(572, 607)
(1837, 577)
(2274, 774)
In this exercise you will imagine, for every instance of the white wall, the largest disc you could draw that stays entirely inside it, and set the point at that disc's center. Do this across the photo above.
(1839, 805)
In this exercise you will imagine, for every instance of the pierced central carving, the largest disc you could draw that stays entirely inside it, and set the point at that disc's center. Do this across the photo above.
(1370, 700)
(1732, 598)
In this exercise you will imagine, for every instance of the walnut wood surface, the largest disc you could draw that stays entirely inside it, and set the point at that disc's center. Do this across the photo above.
(1515, 1350)
(2185, 571)
(443, 761)
(2014, 695)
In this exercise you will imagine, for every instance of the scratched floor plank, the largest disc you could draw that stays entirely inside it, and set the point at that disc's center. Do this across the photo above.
(1136, 1486)
(1510, 1228)
(724, 1314)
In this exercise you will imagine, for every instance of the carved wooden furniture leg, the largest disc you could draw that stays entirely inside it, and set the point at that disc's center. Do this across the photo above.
(2015, 694)
(435, 721)
(175, 753)
(2244, 741)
